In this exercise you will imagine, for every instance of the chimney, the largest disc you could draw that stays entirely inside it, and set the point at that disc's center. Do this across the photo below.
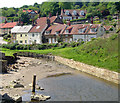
(69, 23)
(32, 22)
(5, 20)
(48, 21)
(91, 20)
(39, 15)
(57, 14)
(50, 15)
(12, 20)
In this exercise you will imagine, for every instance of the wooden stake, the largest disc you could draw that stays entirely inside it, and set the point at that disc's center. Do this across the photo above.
(34, 83)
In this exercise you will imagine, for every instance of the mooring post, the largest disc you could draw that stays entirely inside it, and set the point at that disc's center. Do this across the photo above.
(34, 83)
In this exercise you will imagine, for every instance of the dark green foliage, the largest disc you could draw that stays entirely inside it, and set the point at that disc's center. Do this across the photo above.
(78, 19)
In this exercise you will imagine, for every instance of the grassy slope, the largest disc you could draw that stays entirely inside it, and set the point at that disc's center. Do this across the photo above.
(100, 53)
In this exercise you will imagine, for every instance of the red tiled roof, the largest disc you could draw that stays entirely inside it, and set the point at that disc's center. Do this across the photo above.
(56, 27)
(94, 25)
(9, 25)
(1, 25)
(68, 28)
(29, 11)
(41, 23)
(52, 19)
(107, 27)
(76, 27)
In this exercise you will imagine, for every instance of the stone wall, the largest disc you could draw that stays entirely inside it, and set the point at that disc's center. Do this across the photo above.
(98, 72)
(35, 55)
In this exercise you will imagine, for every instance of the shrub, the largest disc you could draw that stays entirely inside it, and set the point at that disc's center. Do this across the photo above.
(111, 29)
(107, 32)
(93, 39)
(114, 37)
(19, 47)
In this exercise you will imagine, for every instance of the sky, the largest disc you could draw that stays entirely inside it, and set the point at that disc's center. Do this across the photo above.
(18, 3)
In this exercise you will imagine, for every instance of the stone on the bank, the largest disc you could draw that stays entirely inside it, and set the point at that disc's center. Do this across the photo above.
(39, 97)
(7, 97)
(16, 84)
(17, 98)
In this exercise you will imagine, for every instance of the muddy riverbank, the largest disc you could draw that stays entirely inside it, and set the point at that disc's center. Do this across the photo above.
(25, 68)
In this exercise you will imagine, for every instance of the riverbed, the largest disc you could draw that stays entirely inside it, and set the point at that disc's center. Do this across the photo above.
(60, 82)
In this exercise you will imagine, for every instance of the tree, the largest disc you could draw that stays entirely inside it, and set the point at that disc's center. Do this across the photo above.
(65, 5)
(25, 18)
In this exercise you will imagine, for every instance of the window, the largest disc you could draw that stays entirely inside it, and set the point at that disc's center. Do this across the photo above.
(25, 34)
(13, 35)
(82, 30)
(21, 41)
(20, 35)
(66, 35)
(82, 13)
(35, 41)
(67, 31)
(33, 35)
(25, 41)
(67, 12)
(93, 30)
(66, 39)
(74, 12)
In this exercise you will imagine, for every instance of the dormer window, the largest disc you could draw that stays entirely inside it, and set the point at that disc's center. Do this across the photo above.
(47, 32)
(82, 30)
(74, 12)
(93, 30)
(82, 13)
(67, 12)
(67, 31)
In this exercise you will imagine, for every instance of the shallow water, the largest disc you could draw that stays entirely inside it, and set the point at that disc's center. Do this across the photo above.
(77, 87)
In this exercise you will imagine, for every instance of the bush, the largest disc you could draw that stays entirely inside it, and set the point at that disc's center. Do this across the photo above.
(93, 39)
(114, 37)
(19, 47)
(111, 29)
(107, 32)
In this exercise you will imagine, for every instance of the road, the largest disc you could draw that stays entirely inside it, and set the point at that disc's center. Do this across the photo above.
(2, 41)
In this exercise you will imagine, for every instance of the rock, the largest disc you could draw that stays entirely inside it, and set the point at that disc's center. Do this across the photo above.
(39, 97)
(11, 99)
(6, 97)
(18, 86)
(17, 98)
(1, 87)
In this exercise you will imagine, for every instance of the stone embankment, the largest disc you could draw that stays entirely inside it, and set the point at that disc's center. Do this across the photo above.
(98, 72)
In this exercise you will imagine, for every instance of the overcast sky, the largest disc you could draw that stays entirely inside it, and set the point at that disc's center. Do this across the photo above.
(18, 3)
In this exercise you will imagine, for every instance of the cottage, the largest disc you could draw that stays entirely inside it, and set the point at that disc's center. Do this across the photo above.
(31, 13)
(6, 28)
(72, 14)
(82, 32)
(54, 32)
(36, 33)
(20, 34)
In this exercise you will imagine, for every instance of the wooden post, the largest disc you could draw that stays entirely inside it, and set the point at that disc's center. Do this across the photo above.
(34, 83)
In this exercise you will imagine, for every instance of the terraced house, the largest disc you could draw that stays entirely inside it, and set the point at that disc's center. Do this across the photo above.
(20, 34)
(54, 32)
(82, 32)
(6, 27)
(72, 14)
